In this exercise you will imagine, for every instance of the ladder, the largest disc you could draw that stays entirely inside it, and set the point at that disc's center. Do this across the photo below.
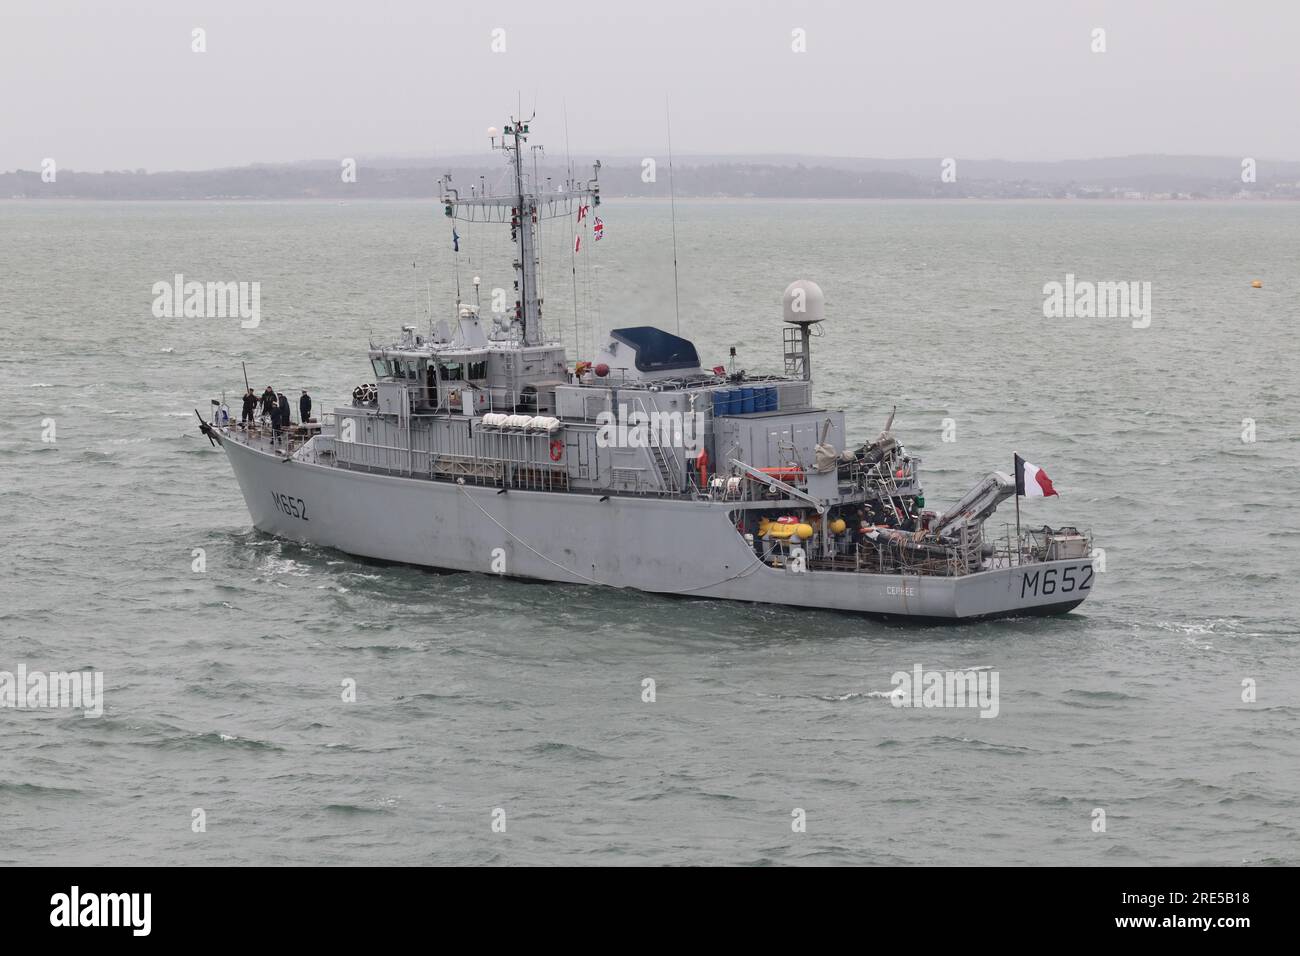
(665, 460)
(661, 463)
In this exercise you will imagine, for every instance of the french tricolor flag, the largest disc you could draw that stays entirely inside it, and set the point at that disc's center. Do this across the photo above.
(1032, 481)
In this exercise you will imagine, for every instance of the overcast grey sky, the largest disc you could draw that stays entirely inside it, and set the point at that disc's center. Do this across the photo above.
(115, 85)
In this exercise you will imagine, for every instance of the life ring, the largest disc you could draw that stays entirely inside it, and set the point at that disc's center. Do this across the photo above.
(557, 450)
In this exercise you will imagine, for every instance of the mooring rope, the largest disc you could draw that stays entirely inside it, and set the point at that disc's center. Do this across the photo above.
(578, 574)
(521, 541)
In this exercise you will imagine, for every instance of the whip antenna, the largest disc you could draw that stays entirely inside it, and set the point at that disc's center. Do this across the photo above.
(672, 205)
(573, 256)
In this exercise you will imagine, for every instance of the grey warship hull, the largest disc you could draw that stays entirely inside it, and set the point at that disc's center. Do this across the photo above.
(656, 545)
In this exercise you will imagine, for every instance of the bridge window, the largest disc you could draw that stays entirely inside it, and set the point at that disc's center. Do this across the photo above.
(394, 368)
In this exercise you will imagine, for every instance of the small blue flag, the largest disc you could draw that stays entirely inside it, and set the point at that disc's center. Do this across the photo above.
(455, 240)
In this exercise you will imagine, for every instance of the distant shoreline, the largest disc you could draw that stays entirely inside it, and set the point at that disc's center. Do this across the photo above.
(701, 200)
(1129, 179)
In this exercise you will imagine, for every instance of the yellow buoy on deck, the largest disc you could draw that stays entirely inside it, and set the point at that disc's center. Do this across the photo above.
(1257, 284)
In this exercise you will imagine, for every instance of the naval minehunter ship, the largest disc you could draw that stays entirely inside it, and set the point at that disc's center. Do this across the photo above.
(479, 447)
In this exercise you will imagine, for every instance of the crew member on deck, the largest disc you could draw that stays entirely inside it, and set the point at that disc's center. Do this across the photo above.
(250, 406)
(269, 404)
(283, 420)
(857, 526)
(304, 407)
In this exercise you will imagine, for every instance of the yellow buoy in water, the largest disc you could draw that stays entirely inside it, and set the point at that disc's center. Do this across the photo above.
(1257, 284)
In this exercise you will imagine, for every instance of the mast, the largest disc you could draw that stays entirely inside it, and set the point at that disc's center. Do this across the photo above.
(522, 209)
(523, 227)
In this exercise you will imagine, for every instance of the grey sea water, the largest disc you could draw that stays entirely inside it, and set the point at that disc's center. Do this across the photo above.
(223, 688)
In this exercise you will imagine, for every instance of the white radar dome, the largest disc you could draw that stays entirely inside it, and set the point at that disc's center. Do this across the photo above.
(804, 302)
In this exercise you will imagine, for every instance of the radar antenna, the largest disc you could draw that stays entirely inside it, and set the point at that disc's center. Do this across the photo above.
(525, 207)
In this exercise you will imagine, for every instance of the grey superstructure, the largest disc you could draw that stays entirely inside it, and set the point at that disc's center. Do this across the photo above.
(480, 447)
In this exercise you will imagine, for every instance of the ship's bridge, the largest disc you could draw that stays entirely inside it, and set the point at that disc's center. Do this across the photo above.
(463, 373)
